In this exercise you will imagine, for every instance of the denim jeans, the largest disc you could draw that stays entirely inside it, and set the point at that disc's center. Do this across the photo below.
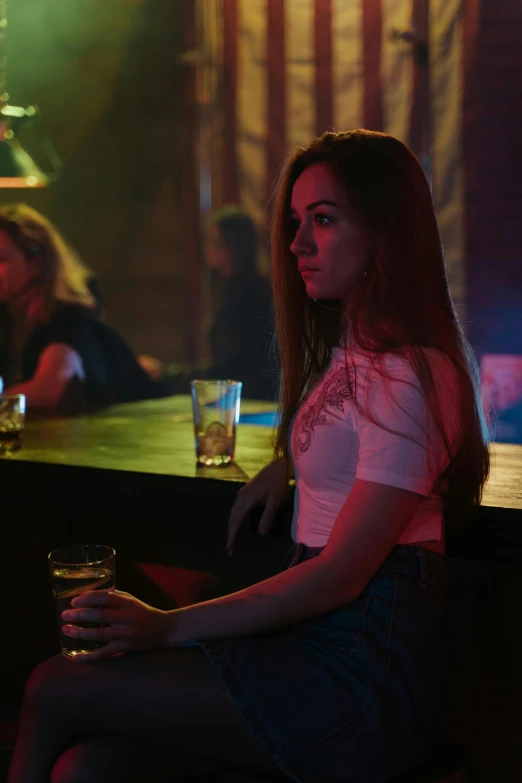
(353, 695)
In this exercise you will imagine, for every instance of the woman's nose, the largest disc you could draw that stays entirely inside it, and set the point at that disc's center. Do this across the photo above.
(303, 242)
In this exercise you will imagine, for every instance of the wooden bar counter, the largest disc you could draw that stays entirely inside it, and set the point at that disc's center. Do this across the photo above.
(139, 457)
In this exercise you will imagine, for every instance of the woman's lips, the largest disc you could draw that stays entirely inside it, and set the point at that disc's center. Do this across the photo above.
(306, 271)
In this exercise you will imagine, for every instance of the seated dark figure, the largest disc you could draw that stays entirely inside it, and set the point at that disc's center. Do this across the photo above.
(53, 347)
(241, 337)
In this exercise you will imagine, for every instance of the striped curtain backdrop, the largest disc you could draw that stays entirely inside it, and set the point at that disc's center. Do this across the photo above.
(295, 68)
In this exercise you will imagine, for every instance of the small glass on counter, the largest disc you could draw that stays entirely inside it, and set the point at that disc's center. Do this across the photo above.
(216, 407)
(12, 419)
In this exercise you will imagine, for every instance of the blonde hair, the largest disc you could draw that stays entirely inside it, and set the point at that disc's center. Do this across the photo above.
(64, 275)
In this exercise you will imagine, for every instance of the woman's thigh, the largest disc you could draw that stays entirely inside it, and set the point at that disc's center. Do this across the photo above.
(170, 698)
(110, 759)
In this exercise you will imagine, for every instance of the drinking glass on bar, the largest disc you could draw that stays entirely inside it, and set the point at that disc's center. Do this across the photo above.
(216, 414)
(77, 569)
(12, 418)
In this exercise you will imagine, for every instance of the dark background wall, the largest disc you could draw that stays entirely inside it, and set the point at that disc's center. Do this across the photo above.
(117, 102)
(494, 181)
(107, 78)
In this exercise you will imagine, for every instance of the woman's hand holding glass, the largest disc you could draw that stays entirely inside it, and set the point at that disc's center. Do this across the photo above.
(268, 488)
(126, 623)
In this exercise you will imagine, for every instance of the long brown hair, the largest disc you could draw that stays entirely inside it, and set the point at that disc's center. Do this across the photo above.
(402, 305)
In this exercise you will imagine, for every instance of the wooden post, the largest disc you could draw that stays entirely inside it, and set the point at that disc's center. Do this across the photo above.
(421, 131)
(190, 212)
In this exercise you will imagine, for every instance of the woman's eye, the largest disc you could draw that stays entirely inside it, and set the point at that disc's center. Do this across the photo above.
(323, 220)
(295, 223)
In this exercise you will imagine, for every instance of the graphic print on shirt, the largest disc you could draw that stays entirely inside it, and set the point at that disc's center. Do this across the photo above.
(338, 386)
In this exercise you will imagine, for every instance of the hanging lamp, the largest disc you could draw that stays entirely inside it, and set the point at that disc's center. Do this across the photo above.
(17, 168)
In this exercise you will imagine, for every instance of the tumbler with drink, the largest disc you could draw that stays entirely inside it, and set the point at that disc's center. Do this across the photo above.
(216, 414)
(12, 417)
(77, 569)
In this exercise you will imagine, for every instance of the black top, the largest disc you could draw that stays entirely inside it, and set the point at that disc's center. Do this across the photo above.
(241, 340)
(112, 372)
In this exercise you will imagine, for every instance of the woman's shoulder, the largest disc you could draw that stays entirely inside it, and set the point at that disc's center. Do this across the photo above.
(69, 321)
(71, 313)
(398, 374)
(64, 321)
(403, 363)
(373, 365)
(406, 380)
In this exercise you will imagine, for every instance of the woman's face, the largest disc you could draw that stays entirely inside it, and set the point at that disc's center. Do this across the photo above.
(217, 255)
(331, 251)
(16, 272)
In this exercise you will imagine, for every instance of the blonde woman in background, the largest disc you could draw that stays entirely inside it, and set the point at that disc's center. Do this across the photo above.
(53, 347)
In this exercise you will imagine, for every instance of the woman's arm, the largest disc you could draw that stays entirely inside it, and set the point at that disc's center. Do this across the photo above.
(367, 528)
(57, 365)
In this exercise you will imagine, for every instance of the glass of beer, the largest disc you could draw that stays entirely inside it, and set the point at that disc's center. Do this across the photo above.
(216, 414)
(77, 569)
(12, 417)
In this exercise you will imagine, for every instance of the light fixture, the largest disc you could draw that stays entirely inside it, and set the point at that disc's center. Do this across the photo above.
(17, 168)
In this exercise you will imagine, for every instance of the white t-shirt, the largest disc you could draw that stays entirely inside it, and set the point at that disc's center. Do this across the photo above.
(332, 443)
